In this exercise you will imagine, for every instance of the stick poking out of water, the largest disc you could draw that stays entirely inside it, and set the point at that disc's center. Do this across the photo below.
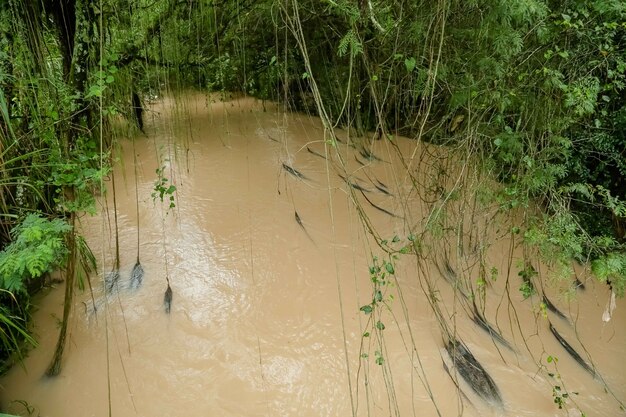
(136, 275)
(572, 351)
(354, 184)
(577, 284)
(294, 172)
(367, 154)
(480, 320)
(553, 308)
(299, 221)
(380, 186)
(378, 207)
(315, 153)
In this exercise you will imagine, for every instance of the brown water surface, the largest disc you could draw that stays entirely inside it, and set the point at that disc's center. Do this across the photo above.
(265, 316)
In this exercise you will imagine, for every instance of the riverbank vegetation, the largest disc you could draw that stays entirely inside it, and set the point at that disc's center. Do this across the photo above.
(533, 92)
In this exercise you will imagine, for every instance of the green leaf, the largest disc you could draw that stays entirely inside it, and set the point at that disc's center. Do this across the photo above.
(367, 309)
(95, 91)
(379, 358)
(409, 63)
(380, 325)
(389, 268)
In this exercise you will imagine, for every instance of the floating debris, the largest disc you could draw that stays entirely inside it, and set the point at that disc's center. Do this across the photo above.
(111, 281)
(473, 372)
(610, 306)
(136, 276)
(454, 380)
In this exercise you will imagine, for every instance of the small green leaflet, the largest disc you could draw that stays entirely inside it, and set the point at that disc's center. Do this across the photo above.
(367, 309)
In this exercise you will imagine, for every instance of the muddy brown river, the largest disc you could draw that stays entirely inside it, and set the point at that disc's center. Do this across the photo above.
(275, 314)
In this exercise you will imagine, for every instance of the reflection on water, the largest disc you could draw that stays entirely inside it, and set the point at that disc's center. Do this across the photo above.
(265, 318)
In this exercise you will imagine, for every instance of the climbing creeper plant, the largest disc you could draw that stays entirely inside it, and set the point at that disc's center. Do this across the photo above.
(380, 274)
(163, 190)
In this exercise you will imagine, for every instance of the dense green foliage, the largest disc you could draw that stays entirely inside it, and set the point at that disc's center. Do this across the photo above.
(37, 248)
(49, 153)
(534, 88)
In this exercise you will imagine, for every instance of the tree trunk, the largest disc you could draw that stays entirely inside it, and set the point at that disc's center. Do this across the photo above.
(70, 273)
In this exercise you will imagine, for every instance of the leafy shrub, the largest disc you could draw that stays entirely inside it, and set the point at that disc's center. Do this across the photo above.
(38, 247)
(612, 269)
(13, 332)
